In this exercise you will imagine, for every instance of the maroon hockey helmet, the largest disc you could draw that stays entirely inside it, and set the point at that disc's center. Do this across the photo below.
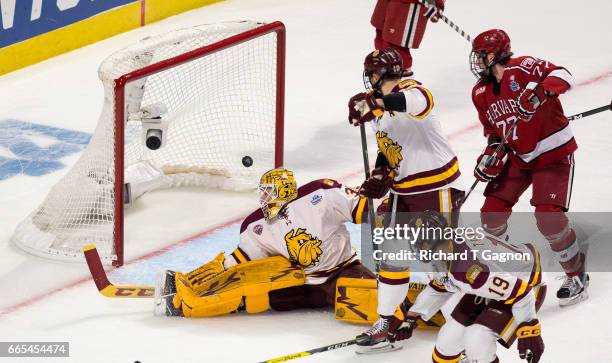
(494, 41)
(387, 63)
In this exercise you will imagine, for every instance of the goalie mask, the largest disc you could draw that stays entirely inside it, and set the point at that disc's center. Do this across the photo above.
(277, 187)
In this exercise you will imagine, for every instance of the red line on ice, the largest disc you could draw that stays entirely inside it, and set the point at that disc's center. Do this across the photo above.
(46, 294)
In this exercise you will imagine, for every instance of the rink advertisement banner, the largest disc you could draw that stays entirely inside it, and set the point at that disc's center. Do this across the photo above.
(25, 19)
(35, 30)
(520, 242)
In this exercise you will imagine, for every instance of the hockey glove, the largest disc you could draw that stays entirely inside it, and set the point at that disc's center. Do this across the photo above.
(530, 343)
(489, 167)
(363, 108)
(402, 332)
(529, 100)
(378, 185)
(434, 12)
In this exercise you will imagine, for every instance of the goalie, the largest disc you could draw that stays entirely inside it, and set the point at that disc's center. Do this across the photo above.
(294, 252)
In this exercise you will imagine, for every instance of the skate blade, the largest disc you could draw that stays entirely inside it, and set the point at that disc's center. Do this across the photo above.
(574, 300)
(376, 349)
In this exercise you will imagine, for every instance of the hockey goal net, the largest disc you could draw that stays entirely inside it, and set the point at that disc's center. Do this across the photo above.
(201, 107)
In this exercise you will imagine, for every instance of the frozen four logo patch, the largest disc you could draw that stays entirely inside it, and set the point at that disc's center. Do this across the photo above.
(514, 86)
(258, 229)
(316, 199)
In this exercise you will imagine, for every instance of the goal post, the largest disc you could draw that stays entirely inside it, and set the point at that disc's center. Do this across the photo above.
(201, 106)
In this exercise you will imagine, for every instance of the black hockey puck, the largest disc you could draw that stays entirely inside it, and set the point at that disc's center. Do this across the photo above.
(247, 161)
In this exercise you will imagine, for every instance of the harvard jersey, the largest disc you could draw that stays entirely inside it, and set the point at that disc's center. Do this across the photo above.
(547, 137)
(310, 231)
(413, 144)
(484, 274)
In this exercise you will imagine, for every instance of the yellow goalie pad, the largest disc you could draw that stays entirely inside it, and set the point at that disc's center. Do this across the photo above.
(223, 293)
(357, 302)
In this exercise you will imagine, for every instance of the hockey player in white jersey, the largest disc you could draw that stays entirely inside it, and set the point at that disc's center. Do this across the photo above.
(294, 252)
(497, 305)
(415, 162)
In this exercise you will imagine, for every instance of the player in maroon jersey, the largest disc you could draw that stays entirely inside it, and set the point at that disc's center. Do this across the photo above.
(401, 24)
(539, 151)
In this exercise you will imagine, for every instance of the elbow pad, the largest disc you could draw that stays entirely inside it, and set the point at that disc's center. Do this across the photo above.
(395, 101)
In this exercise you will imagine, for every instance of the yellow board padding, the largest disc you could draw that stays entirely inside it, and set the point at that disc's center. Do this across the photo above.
(159, 9)
(91, 30)
(223, 293)
(73, 36)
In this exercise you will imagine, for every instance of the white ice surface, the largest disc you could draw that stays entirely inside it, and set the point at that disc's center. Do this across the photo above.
(327, 41)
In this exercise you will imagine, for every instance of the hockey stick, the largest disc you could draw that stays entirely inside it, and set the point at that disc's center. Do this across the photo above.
(450, 23)
(306, 353)
(105, 287)
(498, 149)
(366, 168)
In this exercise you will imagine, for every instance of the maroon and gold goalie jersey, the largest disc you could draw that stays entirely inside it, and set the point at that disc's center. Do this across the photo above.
(547, 137)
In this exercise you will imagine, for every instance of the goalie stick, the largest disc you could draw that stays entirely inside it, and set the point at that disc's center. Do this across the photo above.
(105, 287)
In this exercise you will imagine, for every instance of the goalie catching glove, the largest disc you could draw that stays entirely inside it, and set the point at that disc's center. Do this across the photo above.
(488, 166)
(363, 108)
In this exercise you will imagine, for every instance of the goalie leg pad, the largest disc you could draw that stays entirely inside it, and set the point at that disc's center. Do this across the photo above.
(206, 271)
(357, 301)
(251, 281)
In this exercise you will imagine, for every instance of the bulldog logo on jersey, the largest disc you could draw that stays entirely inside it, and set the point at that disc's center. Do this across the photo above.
(391, 149)
(303, 248)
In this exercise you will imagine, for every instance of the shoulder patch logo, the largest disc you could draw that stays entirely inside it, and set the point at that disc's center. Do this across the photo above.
(329, 182)
(472, 273)
(258, 229)
(316, 199)
(527, 63)
(480, 90)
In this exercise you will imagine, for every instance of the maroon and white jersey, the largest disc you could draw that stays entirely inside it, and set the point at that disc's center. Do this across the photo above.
(547, 137)
(481, 274)
(310, 231)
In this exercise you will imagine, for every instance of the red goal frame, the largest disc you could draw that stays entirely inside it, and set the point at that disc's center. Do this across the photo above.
(277, 27)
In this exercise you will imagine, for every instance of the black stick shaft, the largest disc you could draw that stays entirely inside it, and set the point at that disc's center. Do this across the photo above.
(450, 23)
(306, 353)
(591, 112)
(366, 168)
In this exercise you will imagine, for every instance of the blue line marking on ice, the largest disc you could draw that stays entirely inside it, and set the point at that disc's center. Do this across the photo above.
(18, 138)
(192, 254)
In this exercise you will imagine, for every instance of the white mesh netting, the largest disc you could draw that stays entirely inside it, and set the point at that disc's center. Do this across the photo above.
(216, 109)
